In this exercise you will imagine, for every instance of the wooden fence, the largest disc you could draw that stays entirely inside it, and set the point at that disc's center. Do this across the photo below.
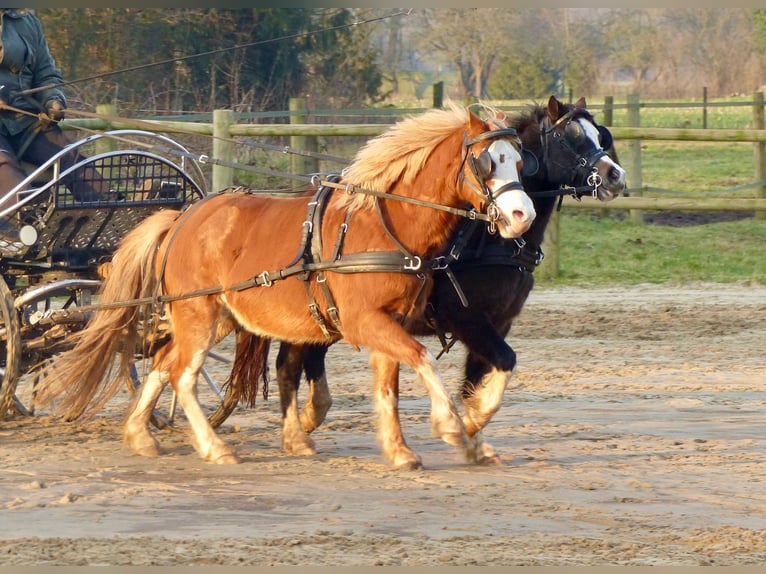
(303, 136)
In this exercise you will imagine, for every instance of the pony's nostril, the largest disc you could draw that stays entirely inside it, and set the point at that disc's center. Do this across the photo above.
(520, 215)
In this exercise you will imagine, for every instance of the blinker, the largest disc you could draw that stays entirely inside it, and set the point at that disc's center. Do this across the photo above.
(573, 132)
(483, 165)
(605, 137)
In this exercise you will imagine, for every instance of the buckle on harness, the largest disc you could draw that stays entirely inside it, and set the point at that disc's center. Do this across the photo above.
(264, 279)
(412, 263)
(439, 263)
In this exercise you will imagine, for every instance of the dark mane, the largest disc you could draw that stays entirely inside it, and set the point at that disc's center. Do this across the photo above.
(531, 117)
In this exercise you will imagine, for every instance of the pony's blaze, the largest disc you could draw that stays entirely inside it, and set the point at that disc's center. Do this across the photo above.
(515, 207)
(613, 177)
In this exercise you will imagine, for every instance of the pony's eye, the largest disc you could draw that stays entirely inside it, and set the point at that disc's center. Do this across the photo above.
(573, 132)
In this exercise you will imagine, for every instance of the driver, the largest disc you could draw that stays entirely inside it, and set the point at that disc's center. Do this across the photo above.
(29, 129)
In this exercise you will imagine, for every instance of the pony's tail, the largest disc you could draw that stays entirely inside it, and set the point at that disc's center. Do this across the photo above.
(74, 377)
(250, 366)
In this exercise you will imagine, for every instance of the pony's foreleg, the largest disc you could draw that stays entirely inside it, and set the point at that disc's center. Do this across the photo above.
(137, 433)
(400, 346)
(289, 367)
(207, 443)
(482, 396)
(445, 421)
(319, 398)
(395, 449)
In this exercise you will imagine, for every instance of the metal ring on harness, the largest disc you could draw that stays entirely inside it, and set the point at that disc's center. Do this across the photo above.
(494, 215)
(594, 180)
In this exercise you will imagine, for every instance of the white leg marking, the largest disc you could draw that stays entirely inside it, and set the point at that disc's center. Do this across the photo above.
(294, 438)
(445, 421)
(318, 403)
(485, 401)
(481, 407)
(209, 446)
(137, 433)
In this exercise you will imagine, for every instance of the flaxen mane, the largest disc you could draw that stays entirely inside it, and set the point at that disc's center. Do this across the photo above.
(401, 152)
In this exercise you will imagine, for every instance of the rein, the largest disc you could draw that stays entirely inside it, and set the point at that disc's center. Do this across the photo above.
(352, 189)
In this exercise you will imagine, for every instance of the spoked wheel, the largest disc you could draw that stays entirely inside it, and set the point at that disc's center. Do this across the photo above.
(37, 326)
(217, 399)
(10, 354)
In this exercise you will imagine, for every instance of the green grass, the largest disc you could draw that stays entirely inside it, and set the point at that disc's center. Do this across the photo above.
(695, 166)
(719, 116)
(600, 251)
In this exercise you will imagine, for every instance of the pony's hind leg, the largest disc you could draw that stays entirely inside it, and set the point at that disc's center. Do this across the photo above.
(319, 398)
(207, 443)
(136, 433)
(289, 366)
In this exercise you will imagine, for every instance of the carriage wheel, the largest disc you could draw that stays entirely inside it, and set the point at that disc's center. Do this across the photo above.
(10, 354)
(217, 400)
(42, 344)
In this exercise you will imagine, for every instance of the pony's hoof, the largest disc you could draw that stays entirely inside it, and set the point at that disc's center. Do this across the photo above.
(229, 458)
(300, 448)
(148, 451)
(303, 450)
(409, 465)
(490, 460)
(407, 460)
(144, 445)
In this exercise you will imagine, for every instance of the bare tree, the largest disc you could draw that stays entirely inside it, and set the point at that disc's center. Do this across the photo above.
(470, 39)
(718, 45)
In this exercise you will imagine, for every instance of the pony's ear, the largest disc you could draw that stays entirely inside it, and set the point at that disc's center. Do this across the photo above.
(581, 103)
(553, 109)
(475, 124)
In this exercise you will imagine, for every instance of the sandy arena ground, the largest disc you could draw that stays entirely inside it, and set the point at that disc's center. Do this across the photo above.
(633, 434)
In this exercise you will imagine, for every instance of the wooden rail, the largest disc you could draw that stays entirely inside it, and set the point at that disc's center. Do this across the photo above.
(672, 203)
(225, 127)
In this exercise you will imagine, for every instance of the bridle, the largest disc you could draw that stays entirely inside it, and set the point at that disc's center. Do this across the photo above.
(481, 167)
(584, 167)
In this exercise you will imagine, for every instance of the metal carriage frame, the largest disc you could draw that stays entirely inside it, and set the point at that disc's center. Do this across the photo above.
(50, 278)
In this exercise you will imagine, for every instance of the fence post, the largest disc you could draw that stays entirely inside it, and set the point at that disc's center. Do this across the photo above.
(438, 94)
(635, 183)
(103, 145)
(607, 120)
(759, 150)
(704, 108)
(608, 115)
(223, 148)
(301, 165)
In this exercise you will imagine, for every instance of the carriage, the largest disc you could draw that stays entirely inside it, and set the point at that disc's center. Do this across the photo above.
(50, 278)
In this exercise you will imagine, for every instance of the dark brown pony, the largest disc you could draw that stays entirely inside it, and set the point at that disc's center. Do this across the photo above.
(494, 275)
(364, 248)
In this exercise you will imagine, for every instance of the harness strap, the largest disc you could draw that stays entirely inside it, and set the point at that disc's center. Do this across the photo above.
(316, 256)
(443, 263)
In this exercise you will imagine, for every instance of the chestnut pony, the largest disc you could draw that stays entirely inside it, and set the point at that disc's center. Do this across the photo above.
(365, 246)
(494, 276)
